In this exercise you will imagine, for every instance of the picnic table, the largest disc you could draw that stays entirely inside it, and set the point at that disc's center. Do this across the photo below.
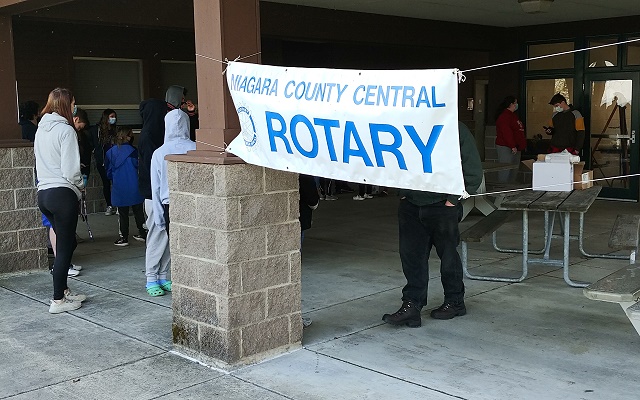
(552, 204)
(482, 203)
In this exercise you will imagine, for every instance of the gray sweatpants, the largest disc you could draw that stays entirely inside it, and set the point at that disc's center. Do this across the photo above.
(157, 258)
(506, 156)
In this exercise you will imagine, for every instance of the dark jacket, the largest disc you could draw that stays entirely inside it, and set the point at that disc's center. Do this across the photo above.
(28, 129)
(152, 112)
(471, 170)
(99, 148)
(121, 164)
(86, 148)
(309, 199)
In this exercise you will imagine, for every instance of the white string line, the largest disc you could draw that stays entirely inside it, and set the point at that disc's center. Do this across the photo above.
(553, 185)
(224, 149)
(551, 55)
(227, 61)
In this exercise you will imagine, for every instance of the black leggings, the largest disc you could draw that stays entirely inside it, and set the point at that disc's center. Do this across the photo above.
(106, 184)
(60, 206)
(123, 220)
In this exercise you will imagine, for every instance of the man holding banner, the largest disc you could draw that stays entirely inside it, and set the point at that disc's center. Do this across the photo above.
(428, 219)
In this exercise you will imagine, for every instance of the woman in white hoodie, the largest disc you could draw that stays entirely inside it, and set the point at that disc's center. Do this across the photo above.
(59, 185)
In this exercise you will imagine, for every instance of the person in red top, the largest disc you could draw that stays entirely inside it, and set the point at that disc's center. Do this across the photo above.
(510, 137)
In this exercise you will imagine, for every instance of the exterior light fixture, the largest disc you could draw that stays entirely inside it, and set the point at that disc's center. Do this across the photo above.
(535, 6)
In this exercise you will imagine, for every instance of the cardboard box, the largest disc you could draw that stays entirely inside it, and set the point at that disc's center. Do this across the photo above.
(553, 177)
(585, 181)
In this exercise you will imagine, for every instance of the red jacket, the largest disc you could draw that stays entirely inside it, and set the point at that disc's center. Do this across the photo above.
(510, 131)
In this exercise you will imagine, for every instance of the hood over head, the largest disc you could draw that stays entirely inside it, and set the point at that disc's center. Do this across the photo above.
(174, 95)
(176, 126)
(152, 112)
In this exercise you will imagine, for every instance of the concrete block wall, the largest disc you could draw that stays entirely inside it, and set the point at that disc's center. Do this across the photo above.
(235, 262)
(22, 236)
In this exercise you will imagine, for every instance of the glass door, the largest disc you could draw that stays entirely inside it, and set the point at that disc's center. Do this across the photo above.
(611, 128)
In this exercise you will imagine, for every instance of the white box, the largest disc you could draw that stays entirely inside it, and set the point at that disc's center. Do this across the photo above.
(552, 177)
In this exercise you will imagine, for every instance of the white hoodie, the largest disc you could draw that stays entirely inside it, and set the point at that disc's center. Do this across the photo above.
(57, 154)
(176, 141)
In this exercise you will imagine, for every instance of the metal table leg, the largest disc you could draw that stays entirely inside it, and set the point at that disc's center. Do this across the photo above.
(584, 253)
(565, 258)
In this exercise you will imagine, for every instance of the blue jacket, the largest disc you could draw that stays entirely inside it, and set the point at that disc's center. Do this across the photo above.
(121, 164)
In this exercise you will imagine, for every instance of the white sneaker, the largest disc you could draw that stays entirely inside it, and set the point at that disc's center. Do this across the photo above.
(358, 197)
(110, 210)
(73, 272)
(76, 267)
(74, 297)
(64, 305)
(368, 196)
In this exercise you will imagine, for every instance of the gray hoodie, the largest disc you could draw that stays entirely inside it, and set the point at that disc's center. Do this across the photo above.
(176, 141)
(57, 154)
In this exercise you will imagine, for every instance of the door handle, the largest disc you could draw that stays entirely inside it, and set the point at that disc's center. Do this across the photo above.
(633, 136)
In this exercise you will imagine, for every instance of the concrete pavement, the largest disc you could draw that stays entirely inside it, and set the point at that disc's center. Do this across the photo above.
(538, 339)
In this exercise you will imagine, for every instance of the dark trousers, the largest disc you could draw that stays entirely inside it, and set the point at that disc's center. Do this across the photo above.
(362, 189)
(422, 228)
(123, 220)
(106, 184)
(60, 206)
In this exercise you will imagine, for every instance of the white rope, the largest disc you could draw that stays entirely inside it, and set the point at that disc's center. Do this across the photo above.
(551, 55)
(552, 186)
(224, 149)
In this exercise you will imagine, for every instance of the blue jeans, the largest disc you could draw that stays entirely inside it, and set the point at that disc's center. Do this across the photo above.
(421, 228)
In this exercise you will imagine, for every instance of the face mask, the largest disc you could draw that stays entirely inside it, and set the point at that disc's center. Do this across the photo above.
(558, 109)
(75, 110)
(516, 108)
(112, 121)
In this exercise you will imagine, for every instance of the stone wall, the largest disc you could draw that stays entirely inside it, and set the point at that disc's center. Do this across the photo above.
(235, 250)
(22, 236)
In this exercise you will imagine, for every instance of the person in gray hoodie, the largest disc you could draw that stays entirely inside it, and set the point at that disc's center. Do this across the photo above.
(176, 141)
(59, 186)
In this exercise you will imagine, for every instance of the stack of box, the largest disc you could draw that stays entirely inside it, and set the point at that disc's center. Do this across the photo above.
(559, 172)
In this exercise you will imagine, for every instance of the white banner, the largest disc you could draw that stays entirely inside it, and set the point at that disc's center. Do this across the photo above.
(388, 128)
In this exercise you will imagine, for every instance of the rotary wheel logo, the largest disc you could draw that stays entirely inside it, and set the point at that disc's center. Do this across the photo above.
(248, 127)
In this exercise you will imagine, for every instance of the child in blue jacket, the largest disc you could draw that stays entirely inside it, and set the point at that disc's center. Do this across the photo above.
(121, 165)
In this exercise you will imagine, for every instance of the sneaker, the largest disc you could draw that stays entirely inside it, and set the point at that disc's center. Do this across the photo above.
(110, 210)
(72, 272)
(449, 310)
(140, 238)
(408, 314)
(321, 197)
(64, 305)
(74, 297)
(368, 196)
(121, 242)
(329, 197)
(76, 267)
(358, 197)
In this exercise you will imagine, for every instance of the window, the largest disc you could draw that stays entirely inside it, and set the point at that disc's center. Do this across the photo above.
(539, 92)
(181, 73)
(603, 56)
(633, 52)
(563, 61)
(101, 83)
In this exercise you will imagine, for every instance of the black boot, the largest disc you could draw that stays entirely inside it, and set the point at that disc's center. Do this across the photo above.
(449, 310)
(408, 314)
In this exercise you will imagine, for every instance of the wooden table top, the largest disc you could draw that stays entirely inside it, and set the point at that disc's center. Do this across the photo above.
(573, 201)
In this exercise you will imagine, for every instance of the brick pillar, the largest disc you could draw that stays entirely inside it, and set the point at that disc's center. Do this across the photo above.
(235, 261)
(22, 236)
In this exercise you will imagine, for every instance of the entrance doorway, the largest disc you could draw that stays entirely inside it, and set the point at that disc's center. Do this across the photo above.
(611, 122)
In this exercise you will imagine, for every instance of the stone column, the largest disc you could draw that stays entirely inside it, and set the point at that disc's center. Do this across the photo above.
(235, 261)
(22, 236)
